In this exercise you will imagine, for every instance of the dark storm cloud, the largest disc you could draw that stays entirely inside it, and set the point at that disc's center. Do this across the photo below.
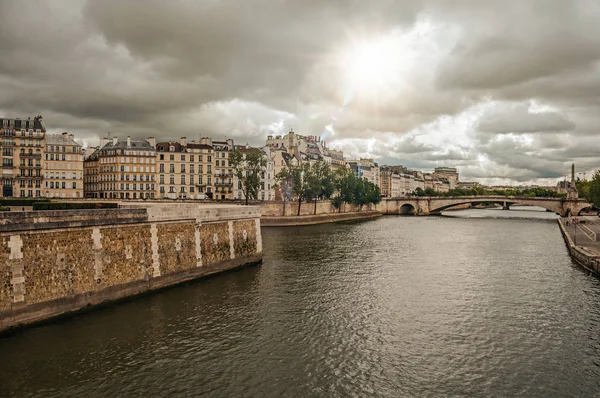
(252, 68)
(518, 119)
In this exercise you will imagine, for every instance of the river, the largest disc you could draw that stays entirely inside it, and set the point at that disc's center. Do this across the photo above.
(475, 304)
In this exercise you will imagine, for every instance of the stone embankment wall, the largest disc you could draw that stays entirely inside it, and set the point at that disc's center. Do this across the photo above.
(584, 257)
(276, 208)
(53, 262)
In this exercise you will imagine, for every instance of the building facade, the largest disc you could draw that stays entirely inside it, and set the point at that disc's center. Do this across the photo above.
(126, 169)
(23, 144)
(182, 169)
(223, 174)
(63, 167)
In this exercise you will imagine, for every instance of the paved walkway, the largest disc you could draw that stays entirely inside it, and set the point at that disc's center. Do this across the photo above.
(584, 237)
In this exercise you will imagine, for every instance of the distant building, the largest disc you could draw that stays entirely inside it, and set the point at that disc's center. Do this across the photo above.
(447, 173)
(126, 169)
(468, 185)
(366, 169)
(63, 167)
(22, 145)
(223, 183)
(337, 159)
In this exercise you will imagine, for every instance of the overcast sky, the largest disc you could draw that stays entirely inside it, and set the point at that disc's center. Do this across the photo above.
(507, 91)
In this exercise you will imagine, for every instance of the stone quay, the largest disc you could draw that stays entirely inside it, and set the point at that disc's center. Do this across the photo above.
(56, 262)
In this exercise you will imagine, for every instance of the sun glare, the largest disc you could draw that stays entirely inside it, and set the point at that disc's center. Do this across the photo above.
(369, 67)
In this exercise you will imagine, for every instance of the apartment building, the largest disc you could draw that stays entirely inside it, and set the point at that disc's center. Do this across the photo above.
(449, 174)
(91, 173)
(337, 159)
(366, 169)
(182, 169)
(223, 174)
(126, 169)
(22, 157)
(63, 167)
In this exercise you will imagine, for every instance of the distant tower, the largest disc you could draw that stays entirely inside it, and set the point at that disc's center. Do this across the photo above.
(573, 193)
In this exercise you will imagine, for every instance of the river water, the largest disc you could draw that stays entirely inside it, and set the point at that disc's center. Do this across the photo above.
(476, 304)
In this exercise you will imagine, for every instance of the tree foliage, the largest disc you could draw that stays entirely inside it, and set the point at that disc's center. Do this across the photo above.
(536, 192)
(593, 191)
(315, 181)
(248, 167)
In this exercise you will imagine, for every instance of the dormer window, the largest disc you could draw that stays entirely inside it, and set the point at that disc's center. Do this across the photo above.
(171, 148)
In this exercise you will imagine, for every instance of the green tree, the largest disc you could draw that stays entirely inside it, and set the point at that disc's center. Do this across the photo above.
(594, 189)
(285, 182)
(321, 181)
(248, 165)
(299, 181)
(344, 183)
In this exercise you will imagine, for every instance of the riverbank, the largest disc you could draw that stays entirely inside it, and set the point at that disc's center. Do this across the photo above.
(292, 221)
(58, 262)
(587, 251)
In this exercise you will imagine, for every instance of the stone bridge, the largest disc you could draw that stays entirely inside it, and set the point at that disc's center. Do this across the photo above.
(426, 205)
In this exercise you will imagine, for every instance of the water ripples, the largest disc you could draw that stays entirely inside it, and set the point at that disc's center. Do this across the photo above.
(397, 306)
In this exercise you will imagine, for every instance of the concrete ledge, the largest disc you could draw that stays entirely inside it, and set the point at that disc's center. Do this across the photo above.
(50, 219)
(291, 221)
(582, 256)
(67, 306)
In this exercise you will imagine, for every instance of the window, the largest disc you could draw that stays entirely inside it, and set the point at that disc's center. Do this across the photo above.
(172, 157)
(162, 157)
(191, 169)
(183, 168)
(191, 158)
(183, 157)
(182, 180)
(162, 179)
(171, 168)
(161, 168)
(217, 163)
(172, 180)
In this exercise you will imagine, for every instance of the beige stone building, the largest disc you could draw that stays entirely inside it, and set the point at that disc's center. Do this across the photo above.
(63, 167)
(91, 173)
(182, 169)
(201, 175)
(223, 174)
(126, 169)
(22, 157)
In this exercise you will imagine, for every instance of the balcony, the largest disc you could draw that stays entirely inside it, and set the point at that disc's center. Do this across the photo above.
(24, 177)
(31, 155)
(30, 167)
(223, 184)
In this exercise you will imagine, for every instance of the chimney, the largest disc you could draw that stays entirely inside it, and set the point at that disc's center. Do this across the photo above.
(104, 141)
(65, 135)
(128, 142)
(206, 141)
(72, 137)
(115, 140)
(183, 141)
(152, 142)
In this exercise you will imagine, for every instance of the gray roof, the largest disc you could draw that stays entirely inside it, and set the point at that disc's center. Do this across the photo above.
(59, 139)
(19, 124)
(136, 144)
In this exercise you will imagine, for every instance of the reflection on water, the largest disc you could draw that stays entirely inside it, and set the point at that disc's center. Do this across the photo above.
(393, 307)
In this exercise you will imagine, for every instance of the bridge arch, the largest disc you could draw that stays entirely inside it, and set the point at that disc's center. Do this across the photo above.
(407, 209)
(553, 206)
